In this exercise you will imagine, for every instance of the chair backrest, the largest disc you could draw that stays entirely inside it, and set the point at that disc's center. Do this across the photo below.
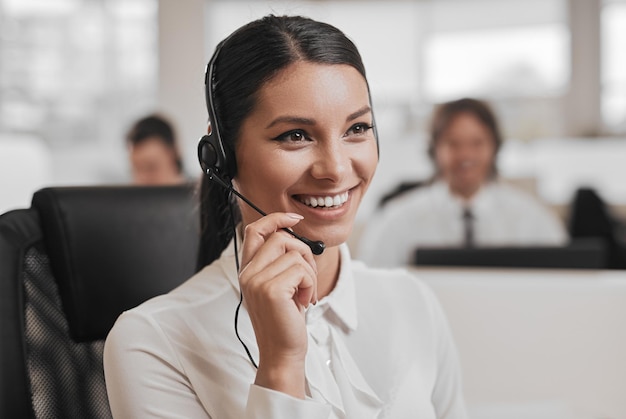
(590, 217)
(69, 265)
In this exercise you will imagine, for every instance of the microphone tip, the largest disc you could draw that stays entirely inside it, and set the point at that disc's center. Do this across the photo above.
(317, 247)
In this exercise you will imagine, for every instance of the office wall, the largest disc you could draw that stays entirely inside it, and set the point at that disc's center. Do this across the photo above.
(537, 343)
(182, 60)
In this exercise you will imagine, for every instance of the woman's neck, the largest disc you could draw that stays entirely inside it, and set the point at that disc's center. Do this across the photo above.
(328, 265)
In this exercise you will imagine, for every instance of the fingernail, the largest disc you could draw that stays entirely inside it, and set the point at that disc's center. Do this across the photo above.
(295, 216)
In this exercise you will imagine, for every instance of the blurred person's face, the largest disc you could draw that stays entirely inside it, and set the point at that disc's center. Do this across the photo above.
(309, 148)
(154, 163)
(464, 155)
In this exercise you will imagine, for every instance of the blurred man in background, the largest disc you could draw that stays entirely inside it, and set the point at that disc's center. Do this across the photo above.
(465, 203)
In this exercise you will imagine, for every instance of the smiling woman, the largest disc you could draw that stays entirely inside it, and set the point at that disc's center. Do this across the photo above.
(317, 335)
(322, 145)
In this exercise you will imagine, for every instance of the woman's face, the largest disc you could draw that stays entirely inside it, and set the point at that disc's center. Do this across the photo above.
(309, 148)
(464, 154)
(154, 163)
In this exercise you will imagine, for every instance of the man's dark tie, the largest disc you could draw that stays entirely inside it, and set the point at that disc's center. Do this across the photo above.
(468, 225)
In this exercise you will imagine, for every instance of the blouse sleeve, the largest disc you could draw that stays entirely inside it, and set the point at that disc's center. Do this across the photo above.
(145, 379)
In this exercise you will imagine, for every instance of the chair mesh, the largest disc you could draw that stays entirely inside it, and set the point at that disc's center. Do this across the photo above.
(66, 378)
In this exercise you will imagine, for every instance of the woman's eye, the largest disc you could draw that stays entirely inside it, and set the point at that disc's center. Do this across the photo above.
(294, 136)
(359, 129)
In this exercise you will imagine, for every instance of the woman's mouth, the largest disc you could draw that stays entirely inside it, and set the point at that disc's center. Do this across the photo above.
(328, 201)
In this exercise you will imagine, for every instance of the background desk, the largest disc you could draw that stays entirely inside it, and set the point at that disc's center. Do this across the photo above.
(537, 344)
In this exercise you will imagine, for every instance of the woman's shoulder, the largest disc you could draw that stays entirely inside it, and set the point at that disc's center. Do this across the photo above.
(207, 291)
(186, 317)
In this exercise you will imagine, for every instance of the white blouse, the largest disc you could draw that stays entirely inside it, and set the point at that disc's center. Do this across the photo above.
(431, 216)
(379, 347)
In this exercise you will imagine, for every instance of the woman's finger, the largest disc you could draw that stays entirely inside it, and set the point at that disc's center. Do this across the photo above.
(304, 291)
(276, 307)
(258, 233)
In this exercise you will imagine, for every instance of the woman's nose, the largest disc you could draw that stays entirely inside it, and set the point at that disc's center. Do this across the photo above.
(331, 162)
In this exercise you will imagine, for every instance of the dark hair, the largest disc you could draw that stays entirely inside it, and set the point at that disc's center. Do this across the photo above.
(155, 126)
(248, 59)
(445, 113)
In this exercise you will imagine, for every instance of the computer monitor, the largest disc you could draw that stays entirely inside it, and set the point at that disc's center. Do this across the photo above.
(588, 253)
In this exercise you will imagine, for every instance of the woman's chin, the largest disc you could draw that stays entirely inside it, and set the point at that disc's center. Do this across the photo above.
(330, 238)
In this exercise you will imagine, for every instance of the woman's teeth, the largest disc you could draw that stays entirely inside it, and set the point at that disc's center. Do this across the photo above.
(326, 201)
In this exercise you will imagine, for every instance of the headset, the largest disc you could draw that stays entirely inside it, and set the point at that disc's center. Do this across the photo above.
(214, 160)
(211, 151)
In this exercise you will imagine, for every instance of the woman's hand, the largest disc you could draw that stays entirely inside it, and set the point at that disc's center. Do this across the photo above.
(278, 281)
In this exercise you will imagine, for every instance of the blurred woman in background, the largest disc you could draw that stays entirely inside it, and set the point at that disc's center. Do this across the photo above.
(153, 151)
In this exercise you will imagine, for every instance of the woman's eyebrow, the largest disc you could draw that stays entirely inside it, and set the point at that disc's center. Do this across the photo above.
(308, 121)
(365, 109)
(292, 120)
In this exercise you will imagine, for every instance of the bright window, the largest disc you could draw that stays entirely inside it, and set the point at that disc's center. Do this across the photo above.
(501, 62)
(385, 33)
(614, 65)
(74, 72)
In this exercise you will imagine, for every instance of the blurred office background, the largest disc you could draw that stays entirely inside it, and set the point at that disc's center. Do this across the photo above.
(74, 74)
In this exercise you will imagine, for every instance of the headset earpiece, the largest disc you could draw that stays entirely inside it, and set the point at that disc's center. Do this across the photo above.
(208, 155)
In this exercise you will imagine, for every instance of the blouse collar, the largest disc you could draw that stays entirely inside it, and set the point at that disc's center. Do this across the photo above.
(342, 299)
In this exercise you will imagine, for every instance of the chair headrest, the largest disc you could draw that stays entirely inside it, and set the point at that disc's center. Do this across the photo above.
(113, 247)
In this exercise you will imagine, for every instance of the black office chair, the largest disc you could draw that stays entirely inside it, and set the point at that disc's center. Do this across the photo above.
(69, 265)
(591, 217)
